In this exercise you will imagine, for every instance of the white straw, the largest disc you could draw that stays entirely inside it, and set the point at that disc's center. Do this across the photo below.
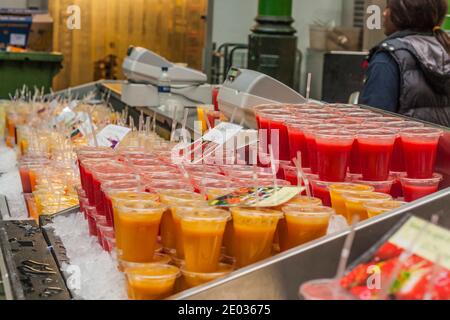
(308, 86)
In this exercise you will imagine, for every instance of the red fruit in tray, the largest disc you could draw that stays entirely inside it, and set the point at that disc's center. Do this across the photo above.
(414, 285)
(356, 277)
(388, 251)
(441, 288)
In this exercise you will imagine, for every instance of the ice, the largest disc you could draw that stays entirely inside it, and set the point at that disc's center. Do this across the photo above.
(99, 278)
(8, 159)
(10, 184)
(337, 224)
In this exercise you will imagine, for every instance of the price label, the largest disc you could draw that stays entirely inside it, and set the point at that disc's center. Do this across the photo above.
(222, 133)
(111, 136)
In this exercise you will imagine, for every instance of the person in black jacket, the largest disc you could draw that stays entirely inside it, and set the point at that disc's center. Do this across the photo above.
(409, 72)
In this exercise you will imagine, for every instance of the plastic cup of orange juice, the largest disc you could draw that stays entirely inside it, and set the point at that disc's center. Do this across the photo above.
(336, 191)
(202, 234)
(305, 201)
(151, 281)
(355, 203)
(158, 258)
(375, 209)
(139, 227)
(194, 279)
(253, 231)
(170, 224)
(118, 197)
(303, 224)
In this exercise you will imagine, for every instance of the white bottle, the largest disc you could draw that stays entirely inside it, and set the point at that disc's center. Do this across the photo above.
(164, 87)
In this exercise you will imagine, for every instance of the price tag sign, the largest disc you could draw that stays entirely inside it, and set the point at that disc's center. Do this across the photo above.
(258, 197)
(222, 133)
(111, 136)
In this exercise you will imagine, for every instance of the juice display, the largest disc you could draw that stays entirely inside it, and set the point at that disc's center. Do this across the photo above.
(194, 279)
(375, 209)
(414, 189)
(375, 150)
(151, 282)
(302, 225)
(420, 150)
(254, 231)
(139, 228)
(333, 151)
(202, 234)
(337, 190)
(355, 203)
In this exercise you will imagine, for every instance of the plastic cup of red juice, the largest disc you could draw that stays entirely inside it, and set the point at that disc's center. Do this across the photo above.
(379, 186)
(101, 172)
(263, 118)
(333, 152)
(261, 108)
(277, 125)
(398, 158)
(375, 151)
(385, 121)
(354, 164)
(297, 140)
(320, 189)
(397, 189)
(420, 150)
(310, 138)
(414, 189)
(114, 186)
(363, 115)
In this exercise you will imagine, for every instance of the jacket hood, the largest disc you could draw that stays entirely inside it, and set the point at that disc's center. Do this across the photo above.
(433, 59)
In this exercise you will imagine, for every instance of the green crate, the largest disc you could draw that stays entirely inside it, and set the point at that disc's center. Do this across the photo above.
(28, 68)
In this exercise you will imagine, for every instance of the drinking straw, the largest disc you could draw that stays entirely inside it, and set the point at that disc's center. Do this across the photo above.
(141, 122)
(301, 175)
(184, 124)
(404, 257)
(308, 86)
(91, 126)
(131, 123)
(208, 124)
(154, 121)
(345, 254)
(272, 166)
(233, 115)
(255, 177)
(174, 123)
